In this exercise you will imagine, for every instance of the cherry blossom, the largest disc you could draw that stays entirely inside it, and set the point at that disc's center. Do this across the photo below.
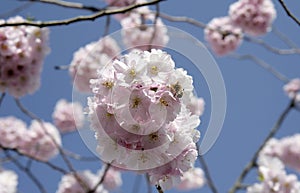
(89, 58)
(41, 141)
(285, 149)
(8, 181)
(22, 51)
(140, 116)
(222, 36)
(292, 89)
(191, 179)
(274, 178)
(255, 17)
(70, 184)
(67, 116)
(12, 131)
(138, 34)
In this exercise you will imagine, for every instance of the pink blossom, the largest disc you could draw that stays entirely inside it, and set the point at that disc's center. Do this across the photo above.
(255, 17)
(90, 58)
(67, 116)
(12, 131)
(286, 149)
(41, 141)
(222, 36)
(137, 34)
(292, 89)
(8, 181)
(196, 106)
(191, 179)
(22, 51)
(70, 184)
(140, 116)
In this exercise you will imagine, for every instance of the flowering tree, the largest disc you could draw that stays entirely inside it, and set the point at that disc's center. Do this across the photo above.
(83, 112)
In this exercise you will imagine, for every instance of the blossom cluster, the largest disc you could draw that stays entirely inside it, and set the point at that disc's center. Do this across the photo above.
(89, 58)
(276, 154)
(274, 178)
(254, 17)
(67, 116)
(22, 51)
(292, 89)
(141, 118)
(40, 141)
(88, 181)
(8, 181)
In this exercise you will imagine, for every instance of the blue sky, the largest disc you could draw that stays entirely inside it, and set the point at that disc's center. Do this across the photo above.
(254, 96)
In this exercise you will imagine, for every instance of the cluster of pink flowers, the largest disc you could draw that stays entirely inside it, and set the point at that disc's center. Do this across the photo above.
(68, 116)
(140, 116)
(222, 35)
(274, 178)
(22, 51)
(255, 17)
(70, 184)
(8, 181)
(40, 140)
(138, 34)
(292, 89)
(192, 179)
(285, 149)
(88, 59)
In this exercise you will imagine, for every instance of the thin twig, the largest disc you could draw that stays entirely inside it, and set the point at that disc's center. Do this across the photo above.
(263, 64)
(101, 179)
(208, 177)
(34, 179)
(91, 17)
(79, 157)
(159, 189)
(238, 184)
(61, 152)
(154, 25)
(107, 24)
(284, 38)
(2, 97)
(182, 19)
(271, 48)
(288, 12)
(16, 10)
(67, 4)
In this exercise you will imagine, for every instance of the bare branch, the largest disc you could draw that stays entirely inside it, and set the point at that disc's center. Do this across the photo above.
(209, 179)
(101, 179)
(284, 38)
(91, 17)
(28, 172)
(252, 163)
(2, 97)
(79, 157)
(288, 12)
(263, 64)
(270, 48)
(182, 19)
(69, 5)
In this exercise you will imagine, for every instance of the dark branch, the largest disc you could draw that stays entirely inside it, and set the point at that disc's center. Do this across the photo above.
(91, 17)
(209, 179)
(2, 97)
(288, 12)
(252, 163)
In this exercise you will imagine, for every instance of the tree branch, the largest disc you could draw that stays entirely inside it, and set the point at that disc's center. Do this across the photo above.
(288, 12)
(2, 97)
(238, 184)
(263, 64)
(91, 17)
(69, 5)
(209, 179)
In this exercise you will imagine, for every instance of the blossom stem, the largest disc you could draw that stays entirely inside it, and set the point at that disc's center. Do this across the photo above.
(101, 179)
(2, 97)
(252, 163)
